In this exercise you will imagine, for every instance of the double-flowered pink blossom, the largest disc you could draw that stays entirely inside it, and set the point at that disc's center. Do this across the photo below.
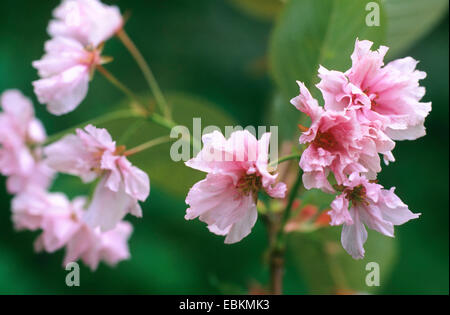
(91, 154)
(389, 94)
(338, 143)
(92, 245)
(237, 170)
(78, 30)
(88, 21)
(65, 71)
(365, 109)
(62, 225)
(20, 136)
(364, 203)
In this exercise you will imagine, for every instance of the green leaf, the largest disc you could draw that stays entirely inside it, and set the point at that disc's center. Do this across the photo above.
(173, 177)
(264, 9)
(327, 267)
(409, 20)
(310, 33)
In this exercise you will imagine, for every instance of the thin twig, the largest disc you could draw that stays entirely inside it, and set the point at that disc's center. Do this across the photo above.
(146, 71)
(147, 145)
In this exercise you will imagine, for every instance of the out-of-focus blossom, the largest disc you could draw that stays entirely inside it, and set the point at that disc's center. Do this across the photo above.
(18, 129)
(62, 225)
(364, 203)
(30, 207)
(389, 94)
(338, 143)
(20, 136)
(92, 245)
(237, 170)
(60, 222)
(88, 21)
(39, 175)
(90, 154)
(65, 71)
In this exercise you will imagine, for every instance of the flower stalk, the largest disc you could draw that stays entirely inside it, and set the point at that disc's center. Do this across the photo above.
(147, 72)
(147, 145)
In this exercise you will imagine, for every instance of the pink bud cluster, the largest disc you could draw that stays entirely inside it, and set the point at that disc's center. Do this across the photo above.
(366, 108)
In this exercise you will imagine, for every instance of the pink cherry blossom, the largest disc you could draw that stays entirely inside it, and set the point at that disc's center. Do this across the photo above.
(62, 225)
(338, 143)
(18, 129)
(92, 246)
(91, 154)
(389, 94)
(88, 21)
(65, 71)
(372, 206)
(237, 170)
(30, 207)
(39, 175)
(20, 136)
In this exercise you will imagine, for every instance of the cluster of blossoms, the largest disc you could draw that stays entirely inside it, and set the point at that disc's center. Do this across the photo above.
(366, 108)
(91, 231)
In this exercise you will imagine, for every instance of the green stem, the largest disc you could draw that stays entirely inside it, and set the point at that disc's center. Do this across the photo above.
(156, 118)
(160, 120)
(281, 236)
(122, 87)
(278, 243)
(120, 114)
(146, 71)
(147, 145)
(285, 158)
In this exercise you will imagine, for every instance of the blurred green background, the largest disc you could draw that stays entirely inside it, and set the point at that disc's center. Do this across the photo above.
(210, 57)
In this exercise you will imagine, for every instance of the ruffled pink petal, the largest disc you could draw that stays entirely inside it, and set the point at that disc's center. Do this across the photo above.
(108, 207)
(88, 21)
(354, 236)
(339, 213)
(65, 91)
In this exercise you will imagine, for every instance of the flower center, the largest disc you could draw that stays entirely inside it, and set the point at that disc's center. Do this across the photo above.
(372, 97)
(357, 195)
(325, 140)
(250, 183)
(91, 58)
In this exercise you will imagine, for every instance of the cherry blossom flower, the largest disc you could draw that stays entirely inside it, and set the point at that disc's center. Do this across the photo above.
(39, 175)
(364, 203)
(18, 129)
(389, 94)
(237, 170)
(62, 225)
(88, 21)
(65, 71)
(338, 143)
(92, 245)
(60, 222)
(20, 136)
(91, 154)
(31, 206)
